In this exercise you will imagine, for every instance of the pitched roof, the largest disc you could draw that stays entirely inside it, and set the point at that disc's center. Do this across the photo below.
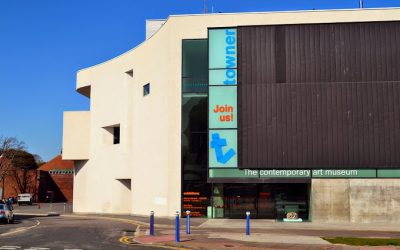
(57, 163)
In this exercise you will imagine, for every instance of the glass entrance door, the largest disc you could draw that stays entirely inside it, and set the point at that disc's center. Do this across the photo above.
(266, 202)
(240, 198)
(263, 200)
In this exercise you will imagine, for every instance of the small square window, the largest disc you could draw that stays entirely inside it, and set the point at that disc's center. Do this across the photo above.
(146, 89)
(116, 134)
(111, 134)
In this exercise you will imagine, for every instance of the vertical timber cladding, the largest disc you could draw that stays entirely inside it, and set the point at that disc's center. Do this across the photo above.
(319, 96)
(222, 96)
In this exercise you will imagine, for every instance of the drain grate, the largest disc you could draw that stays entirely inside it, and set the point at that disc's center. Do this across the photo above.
(128, 230)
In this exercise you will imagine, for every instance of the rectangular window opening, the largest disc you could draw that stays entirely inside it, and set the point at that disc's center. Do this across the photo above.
(112, 134)
(146, 89)
(116, 134)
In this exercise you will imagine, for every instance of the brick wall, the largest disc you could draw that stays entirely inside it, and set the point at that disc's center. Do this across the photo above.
(11, 186)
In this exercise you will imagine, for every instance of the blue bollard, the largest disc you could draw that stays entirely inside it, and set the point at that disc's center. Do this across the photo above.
(177, 236)
(187, 222)
(247, 223)
(152, 223)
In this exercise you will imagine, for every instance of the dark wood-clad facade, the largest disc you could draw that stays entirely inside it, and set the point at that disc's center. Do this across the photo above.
(319, 96)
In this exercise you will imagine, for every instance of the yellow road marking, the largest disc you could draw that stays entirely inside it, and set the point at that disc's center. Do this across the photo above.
(127, 240)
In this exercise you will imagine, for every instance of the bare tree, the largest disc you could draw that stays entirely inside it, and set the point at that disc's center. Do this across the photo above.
(9, 146)
(39, 160)
(23, 162)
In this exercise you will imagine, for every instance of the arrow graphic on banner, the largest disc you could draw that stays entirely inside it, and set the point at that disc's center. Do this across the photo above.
(217, 143)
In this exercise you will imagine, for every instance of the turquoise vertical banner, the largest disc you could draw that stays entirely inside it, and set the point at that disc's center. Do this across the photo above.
(222, 77)
(222, 107)
(222, 50)
(223, 148)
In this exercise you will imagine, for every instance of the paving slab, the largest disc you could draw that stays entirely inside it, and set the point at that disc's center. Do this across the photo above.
(271, 238)
(157, 239)
(268, 224)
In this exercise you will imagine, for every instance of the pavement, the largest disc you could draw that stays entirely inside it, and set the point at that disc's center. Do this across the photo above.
(43, 209)
(268, 224)
(226, 233)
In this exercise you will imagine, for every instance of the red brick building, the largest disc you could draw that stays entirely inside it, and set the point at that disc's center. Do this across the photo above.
(11, 187)
(56, 179)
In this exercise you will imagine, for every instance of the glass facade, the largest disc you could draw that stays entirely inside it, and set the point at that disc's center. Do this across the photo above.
(194, 66)
(196, 192)
(262, 200)
(221, 200)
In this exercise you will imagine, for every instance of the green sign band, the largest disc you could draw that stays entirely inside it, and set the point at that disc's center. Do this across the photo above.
(304, 173)
(230, 173)
(388, 173)
(344, 173)
(285, 173)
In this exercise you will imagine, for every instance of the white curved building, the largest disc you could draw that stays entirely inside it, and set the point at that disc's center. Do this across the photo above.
(129, 147)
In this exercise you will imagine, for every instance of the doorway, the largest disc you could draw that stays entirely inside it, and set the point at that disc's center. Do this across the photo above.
(265, 200)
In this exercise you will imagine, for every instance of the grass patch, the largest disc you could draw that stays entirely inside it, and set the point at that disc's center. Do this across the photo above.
(363, 241)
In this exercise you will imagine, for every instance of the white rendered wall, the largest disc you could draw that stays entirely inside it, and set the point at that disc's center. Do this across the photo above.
(76, 132)
(150, 149)
(80, 194)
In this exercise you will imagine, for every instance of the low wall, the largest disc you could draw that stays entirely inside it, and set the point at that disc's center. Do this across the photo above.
(355, 200)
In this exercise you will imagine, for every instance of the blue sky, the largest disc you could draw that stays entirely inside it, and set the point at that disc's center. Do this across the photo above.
(44, 42)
